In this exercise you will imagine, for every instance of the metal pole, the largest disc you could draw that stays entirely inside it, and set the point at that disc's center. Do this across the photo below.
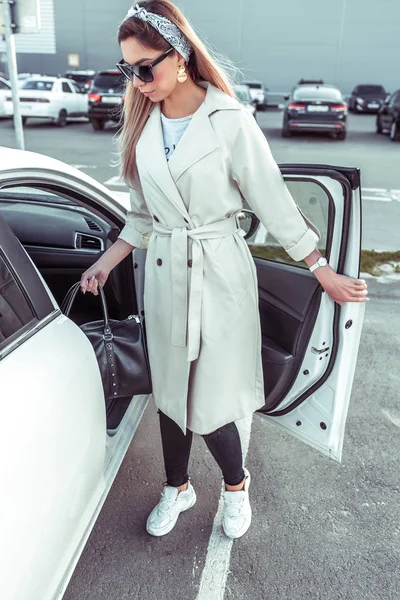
(12, 71)
(336, 80)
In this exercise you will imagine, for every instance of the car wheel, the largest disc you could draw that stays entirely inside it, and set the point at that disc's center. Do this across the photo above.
(97, 124)
(341, 135)
(286, 133)
(395, 132)
(61, 120)
(378, 125)
(24, 120)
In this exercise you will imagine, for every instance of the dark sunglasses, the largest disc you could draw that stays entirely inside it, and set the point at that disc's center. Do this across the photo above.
(144, 73)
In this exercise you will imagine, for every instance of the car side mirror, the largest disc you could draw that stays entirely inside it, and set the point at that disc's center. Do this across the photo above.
(247, 221)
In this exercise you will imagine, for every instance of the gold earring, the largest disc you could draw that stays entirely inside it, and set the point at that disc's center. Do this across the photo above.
(182, 76)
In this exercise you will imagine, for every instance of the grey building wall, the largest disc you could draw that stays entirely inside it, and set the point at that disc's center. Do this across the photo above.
(344, 42)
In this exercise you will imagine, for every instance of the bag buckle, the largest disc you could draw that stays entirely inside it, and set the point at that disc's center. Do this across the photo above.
(107, 335)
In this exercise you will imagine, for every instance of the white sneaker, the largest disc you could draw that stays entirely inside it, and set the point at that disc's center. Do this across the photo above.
(164, 516)
(236, 516)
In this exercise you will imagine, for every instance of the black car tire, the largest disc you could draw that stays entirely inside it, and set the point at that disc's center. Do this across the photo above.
(24, 120)
(341, 135)
(61, 120)
(395, 132)
(378, 125)
(286, 133)
(98, 124)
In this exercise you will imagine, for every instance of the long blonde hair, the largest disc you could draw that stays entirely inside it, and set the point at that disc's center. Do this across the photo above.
(202, 66)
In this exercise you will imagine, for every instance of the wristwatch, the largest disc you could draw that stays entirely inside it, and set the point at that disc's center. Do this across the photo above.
(321, 262)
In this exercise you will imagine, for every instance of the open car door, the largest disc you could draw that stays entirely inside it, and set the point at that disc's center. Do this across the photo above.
(309, 342)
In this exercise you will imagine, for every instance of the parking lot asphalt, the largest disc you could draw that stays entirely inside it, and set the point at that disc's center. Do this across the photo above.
(376, 156)
(320, 530)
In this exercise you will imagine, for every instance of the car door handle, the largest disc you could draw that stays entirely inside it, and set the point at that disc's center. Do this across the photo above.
(319, 350)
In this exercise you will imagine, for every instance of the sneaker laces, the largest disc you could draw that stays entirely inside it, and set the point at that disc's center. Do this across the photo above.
(166, 503)
(233, 508)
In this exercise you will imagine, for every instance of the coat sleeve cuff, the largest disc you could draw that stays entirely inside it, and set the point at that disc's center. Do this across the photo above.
(306, 244)
(133, 237)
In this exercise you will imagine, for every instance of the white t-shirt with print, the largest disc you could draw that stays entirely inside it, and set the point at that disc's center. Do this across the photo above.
(173, 130)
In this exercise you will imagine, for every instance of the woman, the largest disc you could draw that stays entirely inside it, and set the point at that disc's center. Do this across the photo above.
(191, 153)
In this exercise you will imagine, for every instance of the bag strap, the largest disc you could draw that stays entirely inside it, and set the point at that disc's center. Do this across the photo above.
(70, 298)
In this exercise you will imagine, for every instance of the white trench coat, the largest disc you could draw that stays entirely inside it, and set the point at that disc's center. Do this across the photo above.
(201, 297)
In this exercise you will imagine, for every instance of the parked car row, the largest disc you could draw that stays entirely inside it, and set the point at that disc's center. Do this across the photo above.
(312, 104)
(97, 96)
(315, 106)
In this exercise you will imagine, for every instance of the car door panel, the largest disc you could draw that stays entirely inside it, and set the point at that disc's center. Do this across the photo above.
(55, 430)
(55, 411)
(55, 439)
(307, 339)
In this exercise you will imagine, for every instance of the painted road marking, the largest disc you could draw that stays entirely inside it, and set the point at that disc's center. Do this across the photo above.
(116, 180)
(216, 568)
(84, 166)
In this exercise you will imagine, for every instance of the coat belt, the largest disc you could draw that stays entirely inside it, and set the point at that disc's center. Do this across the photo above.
(186, 312)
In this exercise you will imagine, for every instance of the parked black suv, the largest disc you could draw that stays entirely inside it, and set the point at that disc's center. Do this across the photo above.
(388, 117)
(82, 78)
(367, 98)
(105, 98)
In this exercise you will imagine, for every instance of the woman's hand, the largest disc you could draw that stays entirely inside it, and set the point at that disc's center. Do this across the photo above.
(341, 288)
(93, 277)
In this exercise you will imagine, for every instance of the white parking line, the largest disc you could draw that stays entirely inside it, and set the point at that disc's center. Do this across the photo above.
(381, 195)
(216, 568)
(84, 166)
(377, 199)
(116, 180)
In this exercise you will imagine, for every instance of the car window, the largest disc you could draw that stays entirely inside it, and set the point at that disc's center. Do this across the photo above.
(313, 201)
(79, 78)
(3, 86)
(106, 81)
(38, 84)
(371, 89)
(304, 93)
(66, 87)
(15, 312)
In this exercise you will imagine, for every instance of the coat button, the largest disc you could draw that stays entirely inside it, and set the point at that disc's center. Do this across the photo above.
(156, 218)
(159, 262)
(190, 262)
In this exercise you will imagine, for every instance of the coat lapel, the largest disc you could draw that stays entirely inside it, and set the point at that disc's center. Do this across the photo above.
(198, 141)
(152, 161)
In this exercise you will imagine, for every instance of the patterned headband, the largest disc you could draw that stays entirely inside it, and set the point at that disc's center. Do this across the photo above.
(169, 31)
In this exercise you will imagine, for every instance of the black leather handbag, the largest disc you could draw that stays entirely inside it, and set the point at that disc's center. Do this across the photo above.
(120, 348)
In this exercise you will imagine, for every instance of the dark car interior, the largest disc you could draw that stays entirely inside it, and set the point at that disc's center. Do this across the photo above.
(63, 239)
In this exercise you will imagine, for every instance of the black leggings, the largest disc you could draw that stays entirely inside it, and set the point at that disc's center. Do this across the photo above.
(224, 444)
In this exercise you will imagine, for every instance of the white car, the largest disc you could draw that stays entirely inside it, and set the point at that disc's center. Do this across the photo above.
(258, 93)
(242, 93)
(61, 445)
(5, 89)
(52, 98)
